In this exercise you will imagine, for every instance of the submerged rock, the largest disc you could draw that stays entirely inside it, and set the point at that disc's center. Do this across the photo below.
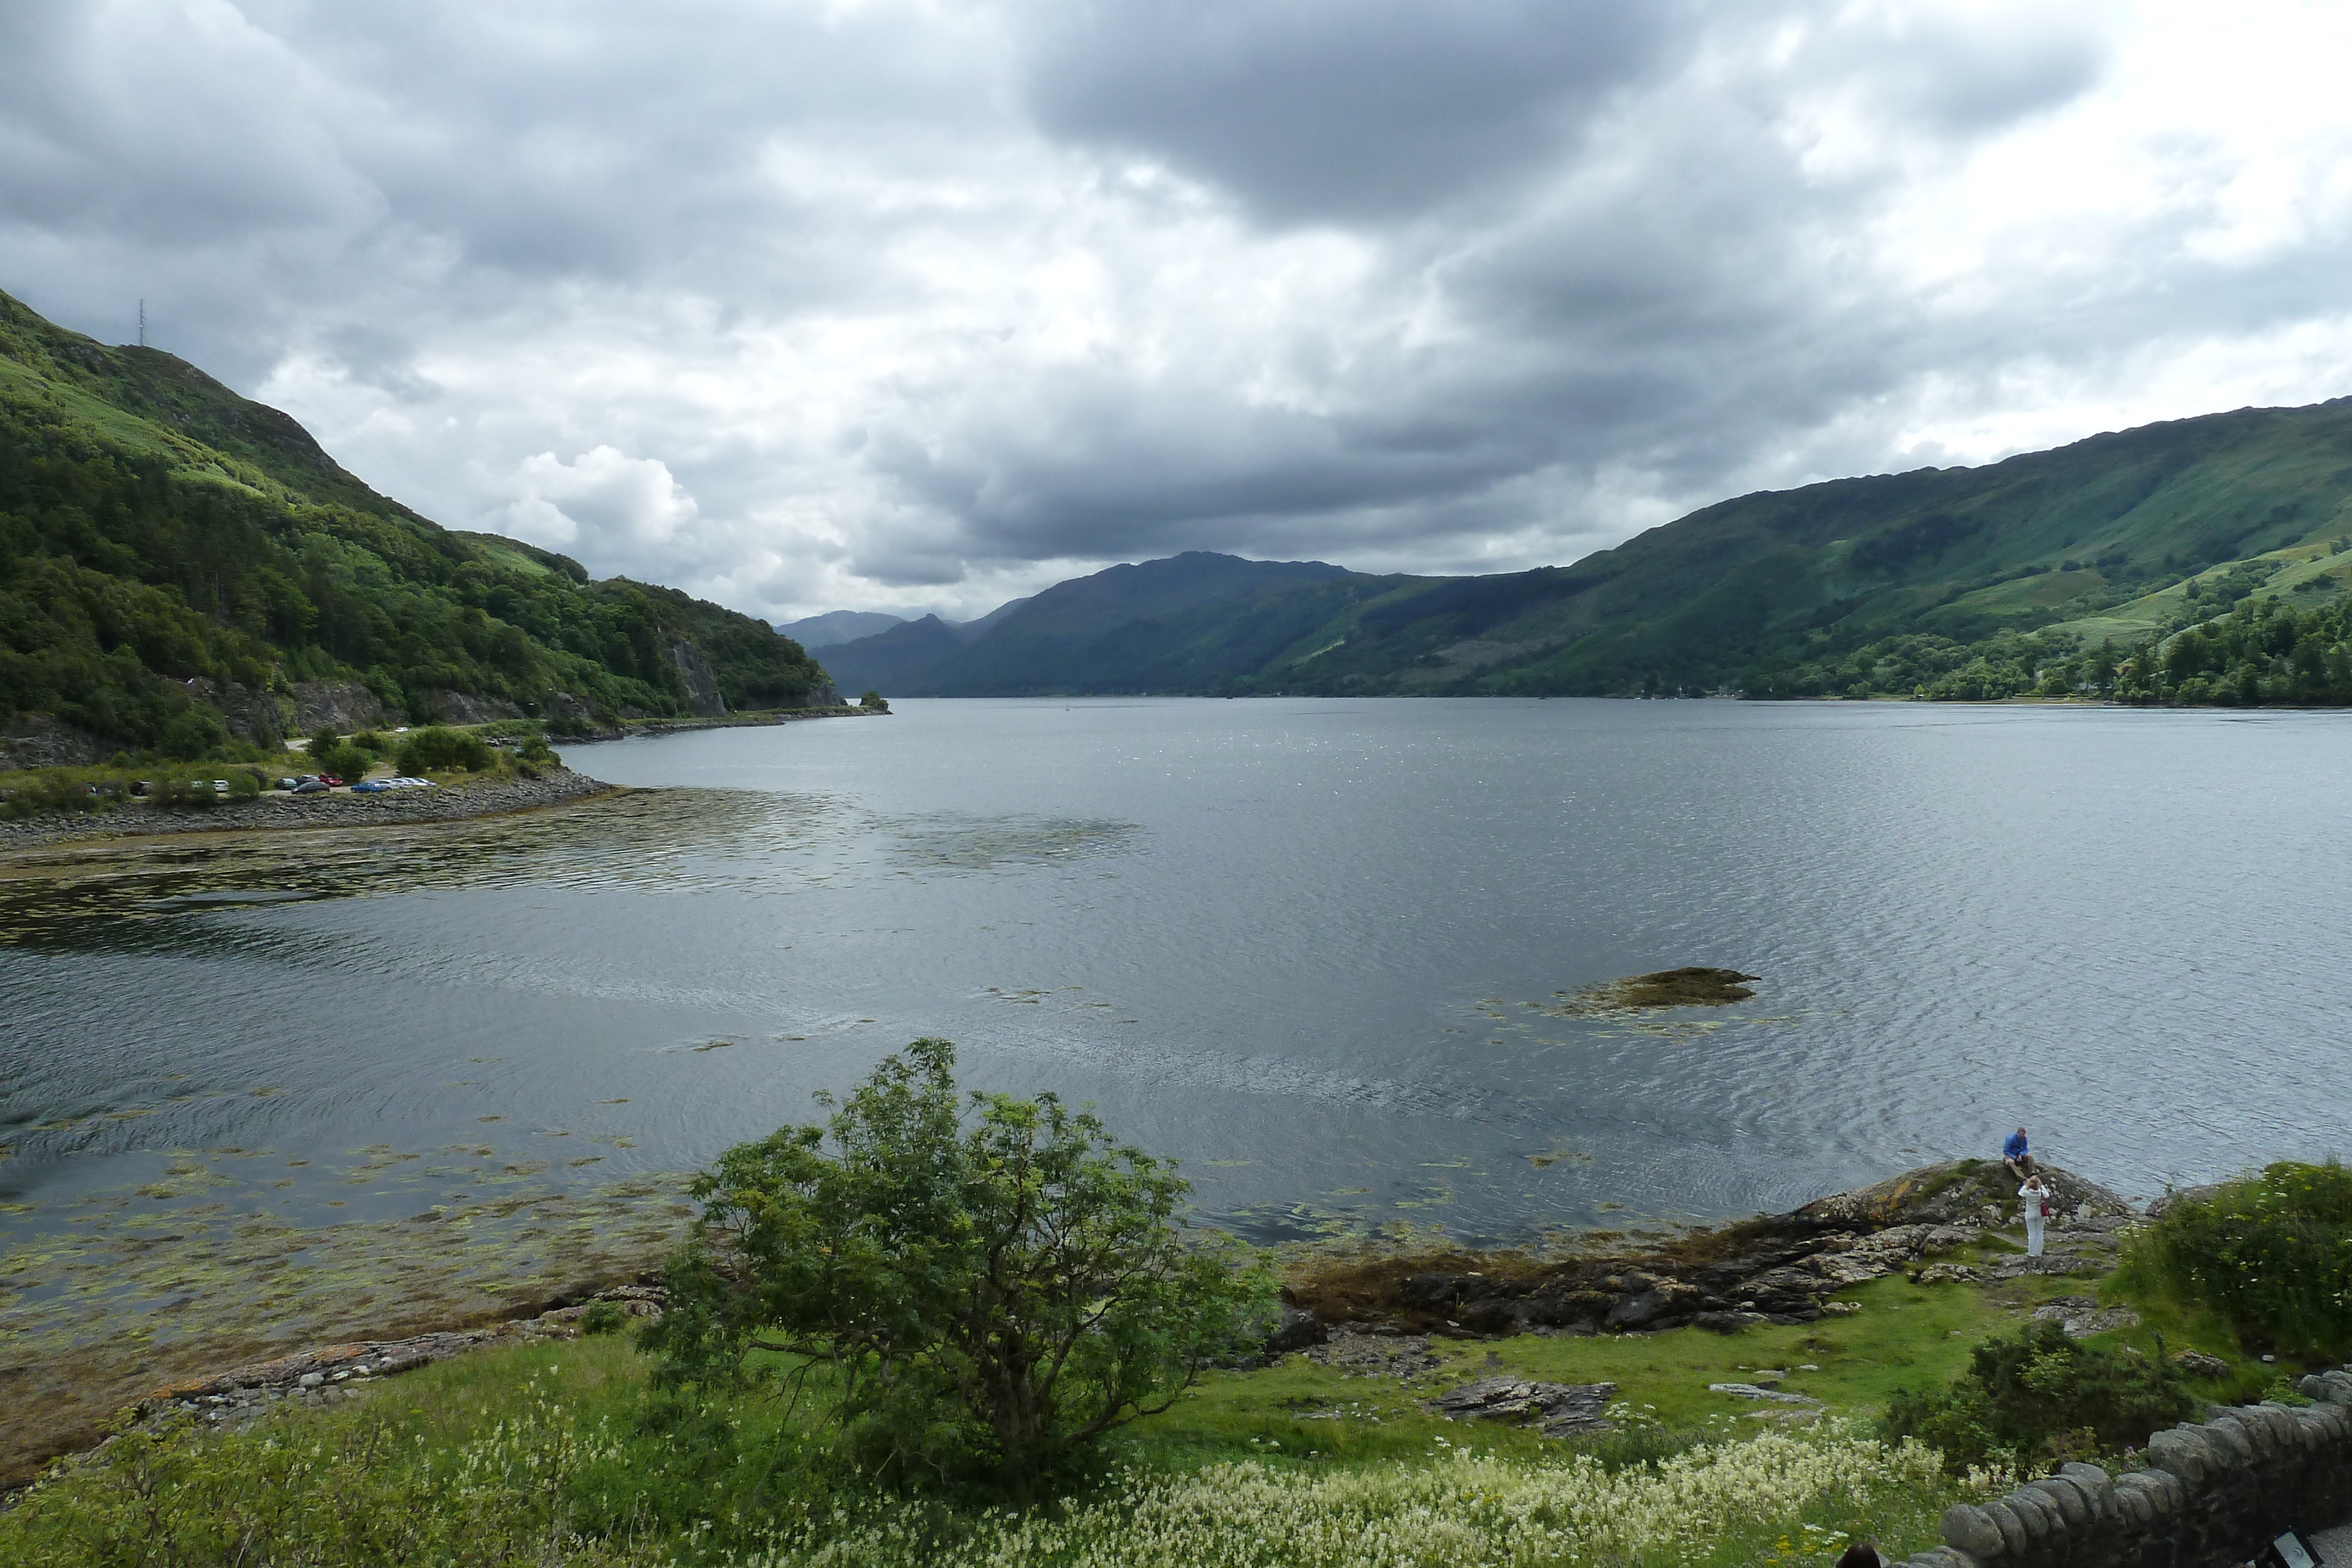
(1693, 986)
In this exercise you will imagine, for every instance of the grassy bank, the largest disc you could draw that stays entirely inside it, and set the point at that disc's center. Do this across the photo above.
(545, 1454)
(557, 1452)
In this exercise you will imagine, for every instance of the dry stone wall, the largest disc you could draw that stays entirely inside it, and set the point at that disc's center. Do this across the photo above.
(2215, 1494)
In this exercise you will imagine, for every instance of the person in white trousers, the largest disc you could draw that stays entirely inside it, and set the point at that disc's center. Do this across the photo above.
(2034, 1198)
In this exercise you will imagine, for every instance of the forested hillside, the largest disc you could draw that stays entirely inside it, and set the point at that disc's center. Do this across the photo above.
(2073, 570)
(177, 563)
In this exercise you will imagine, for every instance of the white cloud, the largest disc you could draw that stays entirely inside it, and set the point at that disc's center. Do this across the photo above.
(612, 504)
(913, 304)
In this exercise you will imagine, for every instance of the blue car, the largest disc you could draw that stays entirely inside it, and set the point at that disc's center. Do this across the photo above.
(370, 786)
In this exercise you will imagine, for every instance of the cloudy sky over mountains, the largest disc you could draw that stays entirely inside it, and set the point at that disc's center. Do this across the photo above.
(918, 305)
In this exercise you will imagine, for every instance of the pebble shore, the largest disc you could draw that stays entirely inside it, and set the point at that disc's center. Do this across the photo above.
(335, 1374)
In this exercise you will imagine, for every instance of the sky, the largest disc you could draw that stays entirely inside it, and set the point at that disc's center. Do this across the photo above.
(913, 305)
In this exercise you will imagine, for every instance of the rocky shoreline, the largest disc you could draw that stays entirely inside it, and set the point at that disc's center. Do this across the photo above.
(1377, 1318)
(335, 1374)
(1773, 1269)
(633, 728)
(554, 786)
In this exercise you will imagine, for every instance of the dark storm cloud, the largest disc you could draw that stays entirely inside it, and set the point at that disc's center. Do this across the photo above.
(1343, 109)
(1665, 291)
(911, 302)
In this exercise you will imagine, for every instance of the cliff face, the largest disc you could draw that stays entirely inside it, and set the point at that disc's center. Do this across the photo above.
(703, 696)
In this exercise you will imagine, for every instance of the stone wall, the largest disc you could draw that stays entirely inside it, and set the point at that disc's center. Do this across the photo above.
(2217, 1494)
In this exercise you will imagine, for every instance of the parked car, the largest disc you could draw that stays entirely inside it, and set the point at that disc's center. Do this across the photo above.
(407, 782)
(311, 786)
(330, 781)
(372, 787)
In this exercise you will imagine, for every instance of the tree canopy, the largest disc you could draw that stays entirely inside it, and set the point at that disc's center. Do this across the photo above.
(959, 1283)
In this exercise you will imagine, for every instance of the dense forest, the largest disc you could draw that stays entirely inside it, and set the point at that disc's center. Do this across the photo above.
(164, 543)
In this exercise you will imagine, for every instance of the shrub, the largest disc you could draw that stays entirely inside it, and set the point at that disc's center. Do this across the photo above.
(951, 1297)
(2271, 1253)
(537, 752)
(569, 727)
(439, 749)
(198, 731)
(874, 701)
(343, 760)
(2038, 1394)
(184, 794)
(37, 792)
(603, 1317)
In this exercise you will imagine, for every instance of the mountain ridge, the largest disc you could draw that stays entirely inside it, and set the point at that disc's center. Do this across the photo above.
(2106, 543)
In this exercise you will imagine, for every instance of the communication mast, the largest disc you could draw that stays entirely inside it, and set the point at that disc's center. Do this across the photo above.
(142, 323)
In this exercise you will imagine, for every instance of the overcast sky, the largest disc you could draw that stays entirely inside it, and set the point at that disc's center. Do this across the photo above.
(912, 304)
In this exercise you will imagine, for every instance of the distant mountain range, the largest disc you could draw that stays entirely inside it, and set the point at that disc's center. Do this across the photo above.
(179, 566)
(2113, 542)
(836, 627)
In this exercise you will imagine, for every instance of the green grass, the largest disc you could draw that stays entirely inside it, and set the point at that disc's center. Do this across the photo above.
(562, 1438)
(502, 1456)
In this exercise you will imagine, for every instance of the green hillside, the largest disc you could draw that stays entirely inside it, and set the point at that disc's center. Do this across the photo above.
(2049, 571)
(177, 563)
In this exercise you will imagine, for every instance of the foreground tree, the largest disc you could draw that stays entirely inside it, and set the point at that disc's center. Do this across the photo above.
(995, 1292)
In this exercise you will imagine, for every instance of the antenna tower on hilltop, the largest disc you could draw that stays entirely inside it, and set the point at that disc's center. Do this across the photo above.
(142, 323)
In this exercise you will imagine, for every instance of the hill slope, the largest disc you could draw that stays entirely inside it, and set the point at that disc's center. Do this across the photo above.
(177, 563)
(2115, 541)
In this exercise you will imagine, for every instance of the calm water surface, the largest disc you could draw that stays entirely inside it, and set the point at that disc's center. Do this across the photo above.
(1314, 949)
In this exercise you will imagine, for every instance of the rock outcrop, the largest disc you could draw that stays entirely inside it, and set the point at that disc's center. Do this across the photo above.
(1556, 1409)
(1775, 1269)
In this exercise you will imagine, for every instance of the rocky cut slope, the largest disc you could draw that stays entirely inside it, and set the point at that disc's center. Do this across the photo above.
(178, 563)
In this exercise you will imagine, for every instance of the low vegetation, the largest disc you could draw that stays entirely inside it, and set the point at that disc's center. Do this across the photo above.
(929, 1329)
(2271, 1254)
(2038, 1398)
(558, 1454)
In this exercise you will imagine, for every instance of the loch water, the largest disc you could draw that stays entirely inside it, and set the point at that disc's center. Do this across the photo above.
(1319, 951)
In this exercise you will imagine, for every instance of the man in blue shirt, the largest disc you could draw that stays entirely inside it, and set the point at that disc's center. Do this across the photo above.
(2016, 1156)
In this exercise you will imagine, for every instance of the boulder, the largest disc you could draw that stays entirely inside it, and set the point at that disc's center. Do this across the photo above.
(2083, 1317)
(1945, 1274)
(1295, 1330)
(1971, 1530)
(1558, 1409)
